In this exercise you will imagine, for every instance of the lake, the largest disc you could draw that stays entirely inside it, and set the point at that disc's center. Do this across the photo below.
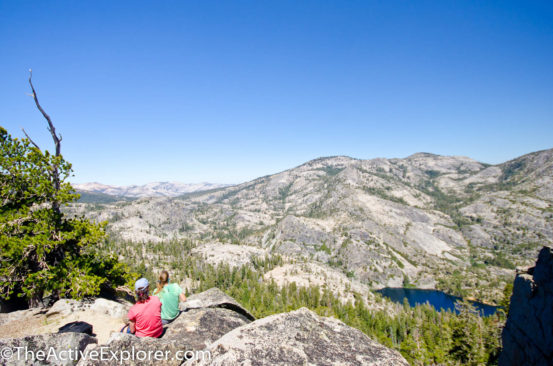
(438, 299)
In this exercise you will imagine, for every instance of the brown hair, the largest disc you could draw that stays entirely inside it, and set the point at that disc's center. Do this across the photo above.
(142, 294)
(163, 280)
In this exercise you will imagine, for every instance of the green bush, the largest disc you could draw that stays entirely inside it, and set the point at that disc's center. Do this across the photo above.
(43, 252)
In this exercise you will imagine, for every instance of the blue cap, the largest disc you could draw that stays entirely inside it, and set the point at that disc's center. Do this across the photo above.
(141, 284)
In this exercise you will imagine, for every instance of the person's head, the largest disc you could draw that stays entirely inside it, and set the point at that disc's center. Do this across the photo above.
(141, 289)
(163, 280)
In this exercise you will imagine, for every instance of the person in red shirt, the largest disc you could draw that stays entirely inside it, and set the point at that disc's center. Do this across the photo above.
(145, 315)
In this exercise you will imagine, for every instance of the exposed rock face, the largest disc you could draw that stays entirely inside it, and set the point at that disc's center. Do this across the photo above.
(528, 333)
(231, 254)
(366, 217)
(111, 308)
(119, 343)
(298, 338)
(115, 309)
(214, 298)
(215, 330)
(18, 314)
(102, 314)
(197, 328)
(54, 346)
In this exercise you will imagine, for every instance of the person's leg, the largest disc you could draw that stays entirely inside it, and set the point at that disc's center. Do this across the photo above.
(167, 321)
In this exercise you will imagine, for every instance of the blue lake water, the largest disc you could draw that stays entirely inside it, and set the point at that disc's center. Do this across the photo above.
(438, 299)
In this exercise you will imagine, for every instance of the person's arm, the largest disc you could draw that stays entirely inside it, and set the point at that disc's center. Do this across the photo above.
(131, 316)
(132, 326)
(182, 298)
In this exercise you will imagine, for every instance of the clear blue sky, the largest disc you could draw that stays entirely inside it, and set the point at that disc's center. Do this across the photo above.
(227, 91)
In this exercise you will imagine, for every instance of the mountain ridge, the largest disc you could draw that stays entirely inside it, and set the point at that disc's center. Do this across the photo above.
(433, 221)
(153, 189)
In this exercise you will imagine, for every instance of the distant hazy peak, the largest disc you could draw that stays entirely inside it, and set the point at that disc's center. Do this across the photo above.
(154, 189)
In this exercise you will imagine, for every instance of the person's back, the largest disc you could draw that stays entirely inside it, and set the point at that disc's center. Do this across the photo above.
(170, 295)
(145, 315)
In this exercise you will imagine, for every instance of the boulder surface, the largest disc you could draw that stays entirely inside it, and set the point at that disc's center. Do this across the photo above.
(298, 338)
(127, 349)
(214, 298)
(528, 333)
(198, 328)
(59, 349)
(213, 329)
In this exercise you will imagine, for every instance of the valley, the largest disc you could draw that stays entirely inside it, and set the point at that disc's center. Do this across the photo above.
(425, 221)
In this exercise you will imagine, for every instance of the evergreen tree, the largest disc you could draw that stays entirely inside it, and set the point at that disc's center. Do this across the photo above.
(468, 335)
(41, 250)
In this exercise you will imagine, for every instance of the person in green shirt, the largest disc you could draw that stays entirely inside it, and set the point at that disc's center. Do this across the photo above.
(170, 295)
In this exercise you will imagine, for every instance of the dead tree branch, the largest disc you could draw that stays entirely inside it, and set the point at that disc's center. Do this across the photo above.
(30, 139)
(51, 127)
(57, 143)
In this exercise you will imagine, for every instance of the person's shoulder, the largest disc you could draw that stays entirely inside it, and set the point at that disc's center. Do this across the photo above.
(175, 288)
(158, 293)
(155, 298)
(133, 309)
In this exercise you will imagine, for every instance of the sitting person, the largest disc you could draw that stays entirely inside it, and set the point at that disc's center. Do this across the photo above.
(170, 295)
(145, 315)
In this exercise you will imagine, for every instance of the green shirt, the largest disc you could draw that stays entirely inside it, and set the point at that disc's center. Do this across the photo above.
(169, 297)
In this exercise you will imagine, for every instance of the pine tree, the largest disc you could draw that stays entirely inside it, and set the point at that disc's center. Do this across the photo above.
(41, 250)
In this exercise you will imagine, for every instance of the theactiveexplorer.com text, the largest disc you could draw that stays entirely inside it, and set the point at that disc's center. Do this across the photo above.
(102, 353)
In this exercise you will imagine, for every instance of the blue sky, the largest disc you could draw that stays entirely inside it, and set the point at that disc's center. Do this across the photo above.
(227, 91)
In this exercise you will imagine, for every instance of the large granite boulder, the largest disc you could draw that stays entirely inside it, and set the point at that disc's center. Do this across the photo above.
(45, 349)
(214, 298)
(298, 338)
(114, 309)
(528, 333)
(6, 318)
(127, 349)
(197, 328)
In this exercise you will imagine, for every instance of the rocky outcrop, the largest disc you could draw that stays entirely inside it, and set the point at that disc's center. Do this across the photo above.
(103, 315)
(45, 349)
(213, 329)
(215, 298)
(127, 349)
(298, 338)
(528, 333)
(6, 318)
(114, 309)
(206, 317)
(198, 328)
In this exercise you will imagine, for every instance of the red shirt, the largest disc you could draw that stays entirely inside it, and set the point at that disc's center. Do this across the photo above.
(147, 317)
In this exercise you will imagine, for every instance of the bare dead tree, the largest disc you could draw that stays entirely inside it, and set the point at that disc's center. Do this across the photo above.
(57, 142)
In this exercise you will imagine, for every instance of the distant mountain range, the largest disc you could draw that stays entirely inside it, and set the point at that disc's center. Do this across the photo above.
(432, 221)
(156, 189)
